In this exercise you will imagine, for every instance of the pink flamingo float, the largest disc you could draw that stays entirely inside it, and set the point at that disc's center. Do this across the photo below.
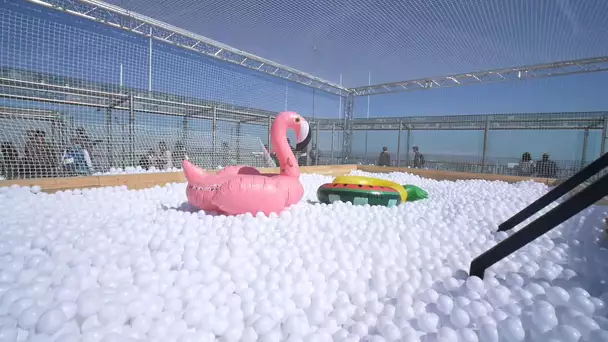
(243, 189)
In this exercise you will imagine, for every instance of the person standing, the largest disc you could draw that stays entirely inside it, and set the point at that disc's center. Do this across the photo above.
(385, 157)
(419, 161)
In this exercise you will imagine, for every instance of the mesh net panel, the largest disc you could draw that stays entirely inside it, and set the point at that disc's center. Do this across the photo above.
(130, 103)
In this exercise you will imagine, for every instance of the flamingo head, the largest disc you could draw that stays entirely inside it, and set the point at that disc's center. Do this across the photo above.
(300, 126)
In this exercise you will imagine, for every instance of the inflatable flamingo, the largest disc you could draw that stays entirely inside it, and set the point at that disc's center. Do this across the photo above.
(243, 189)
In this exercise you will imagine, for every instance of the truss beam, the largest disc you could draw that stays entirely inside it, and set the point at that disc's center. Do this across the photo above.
(40, 87)
(496, 122)
(120, 18)
(489, 76)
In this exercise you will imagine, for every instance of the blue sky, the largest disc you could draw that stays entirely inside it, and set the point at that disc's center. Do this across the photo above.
(48, 41)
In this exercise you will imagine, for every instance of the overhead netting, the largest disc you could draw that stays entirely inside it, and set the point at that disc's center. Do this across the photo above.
(144, 90)
(115, 101)
(394, 40)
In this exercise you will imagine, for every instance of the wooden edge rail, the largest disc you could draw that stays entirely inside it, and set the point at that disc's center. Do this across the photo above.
(453, 175)
(147, 180)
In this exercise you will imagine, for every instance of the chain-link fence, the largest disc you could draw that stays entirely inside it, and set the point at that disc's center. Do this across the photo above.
(554, 145)
(79, 97)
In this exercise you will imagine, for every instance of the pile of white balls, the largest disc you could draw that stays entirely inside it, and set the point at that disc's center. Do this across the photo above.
(115, 265)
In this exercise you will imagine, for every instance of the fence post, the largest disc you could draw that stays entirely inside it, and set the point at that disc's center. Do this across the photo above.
(604, 133)
(214, 137)
(366, 151)
(269, 131)
(109, 138)
(132, 130)
(238, 143)
(486, 132)
(316, 141)
(407, 146)
(185, 127)
(585, 147)
(399, 143)
(333, 131)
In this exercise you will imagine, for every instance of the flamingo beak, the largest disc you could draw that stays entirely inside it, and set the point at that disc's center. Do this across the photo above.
(303, 136)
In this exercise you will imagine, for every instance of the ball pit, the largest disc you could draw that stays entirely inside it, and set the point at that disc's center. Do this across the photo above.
(109, 264)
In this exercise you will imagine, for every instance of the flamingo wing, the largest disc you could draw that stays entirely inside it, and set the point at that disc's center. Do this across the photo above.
(252, 194)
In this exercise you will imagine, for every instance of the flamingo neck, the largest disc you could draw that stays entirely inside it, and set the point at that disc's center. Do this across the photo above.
(287, 160)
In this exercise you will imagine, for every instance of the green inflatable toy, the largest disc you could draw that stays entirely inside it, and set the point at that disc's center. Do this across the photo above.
(414, 193)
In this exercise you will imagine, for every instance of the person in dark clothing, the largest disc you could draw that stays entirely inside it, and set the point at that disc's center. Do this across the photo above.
(147, 160)
(313, 155)
(225, 154)
(179, 154)
(40, 159)
(527, 165)
(385, 157)
(10, 160)
(164, 157)
(82, 138)
(418, 158)
(546, 167)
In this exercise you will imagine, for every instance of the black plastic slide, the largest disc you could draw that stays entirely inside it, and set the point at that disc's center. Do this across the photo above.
(564, 211)
(557, 192)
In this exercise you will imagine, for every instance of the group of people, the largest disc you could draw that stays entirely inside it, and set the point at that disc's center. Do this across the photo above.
(163, 158)
(385, 158)
(545, 167)
(42, 158)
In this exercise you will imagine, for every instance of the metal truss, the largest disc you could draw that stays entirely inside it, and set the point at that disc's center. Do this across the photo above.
(524, 121)
(120, 18)
(489, 76)
(49, 88)
(39, 87)
(30, 114)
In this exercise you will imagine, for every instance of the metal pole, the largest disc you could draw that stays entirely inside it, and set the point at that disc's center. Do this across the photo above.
(109, 137)
(604, 132)
(214, 137)
(121, 78)
(333, 131)
(486, 132)
(317, 140)
(269, 124)
(286, 93)
(369, 82)
(132, 130)
(365, 154)
(238, 143)
(340, 105)
(399, 144)
(185, 129)
(150, 63)
(269, 132)
(407, 146)
(585, 145)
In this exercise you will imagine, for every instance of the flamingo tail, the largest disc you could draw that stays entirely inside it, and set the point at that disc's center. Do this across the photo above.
(193, 173)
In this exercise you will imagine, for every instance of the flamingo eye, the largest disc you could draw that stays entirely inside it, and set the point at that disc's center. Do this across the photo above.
(297, 120)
